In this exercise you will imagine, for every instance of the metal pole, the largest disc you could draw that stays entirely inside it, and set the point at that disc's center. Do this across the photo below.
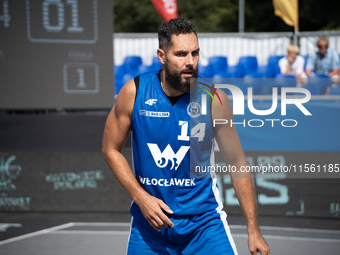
(113, 46)
(296, 25)
(241, 16)
(296, 35)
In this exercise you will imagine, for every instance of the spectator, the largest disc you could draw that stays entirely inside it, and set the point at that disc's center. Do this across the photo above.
(324, 60)
(293, 63)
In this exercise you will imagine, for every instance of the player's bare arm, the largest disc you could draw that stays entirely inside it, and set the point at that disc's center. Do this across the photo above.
(116, 131)
(231, 149)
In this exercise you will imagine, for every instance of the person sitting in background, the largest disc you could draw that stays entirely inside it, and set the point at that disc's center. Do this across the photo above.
(293, 63)
(323, 61)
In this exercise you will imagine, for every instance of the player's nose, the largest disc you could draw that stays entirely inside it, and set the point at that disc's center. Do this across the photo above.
(189, 61)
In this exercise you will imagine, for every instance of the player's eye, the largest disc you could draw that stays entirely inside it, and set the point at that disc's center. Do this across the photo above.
(181, 54)
(195, 53)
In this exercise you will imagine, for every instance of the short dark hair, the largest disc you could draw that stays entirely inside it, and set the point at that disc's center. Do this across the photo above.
(174, 26)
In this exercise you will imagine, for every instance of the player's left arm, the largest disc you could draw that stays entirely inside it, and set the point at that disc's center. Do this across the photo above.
(231, 149)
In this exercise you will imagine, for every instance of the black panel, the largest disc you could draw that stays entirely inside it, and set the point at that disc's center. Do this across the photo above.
(56, 54)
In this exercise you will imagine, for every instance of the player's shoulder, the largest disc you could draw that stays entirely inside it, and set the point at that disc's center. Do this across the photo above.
(222, 110)
(148, 75)
(128, 90)
(146, 80)
(128, 93)
(222, 97)
(126, 98)
(222, 94)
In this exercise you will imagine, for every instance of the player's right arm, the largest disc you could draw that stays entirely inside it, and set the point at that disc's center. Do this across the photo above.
(116, 131)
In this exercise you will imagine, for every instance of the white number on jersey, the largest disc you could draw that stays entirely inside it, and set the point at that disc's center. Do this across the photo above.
(198, 131)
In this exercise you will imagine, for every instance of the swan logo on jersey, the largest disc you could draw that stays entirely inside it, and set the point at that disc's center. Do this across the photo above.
(167, 158)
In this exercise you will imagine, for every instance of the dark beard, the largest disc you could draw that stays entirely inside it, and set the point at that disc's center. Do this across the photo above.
(174, 79)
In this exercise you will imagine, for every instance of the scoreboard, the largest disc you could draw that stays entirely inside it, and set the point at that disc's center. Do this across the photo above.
(56, 54)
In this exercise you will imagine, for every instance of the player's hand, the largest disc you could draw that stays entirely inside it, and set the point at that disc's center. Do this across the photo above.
(151, 208)
(257, 244)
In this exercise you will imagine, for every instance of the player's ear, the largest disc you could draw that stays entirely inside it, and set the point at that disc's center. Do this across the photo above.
(161, 56)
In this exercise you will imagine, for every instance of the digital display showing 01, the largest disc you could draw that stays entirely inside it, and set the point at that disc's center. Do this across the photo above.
(56, 54)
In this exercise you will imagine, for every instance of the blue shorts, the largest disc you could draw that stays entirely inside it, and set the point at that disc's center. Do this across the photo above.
(203, 234)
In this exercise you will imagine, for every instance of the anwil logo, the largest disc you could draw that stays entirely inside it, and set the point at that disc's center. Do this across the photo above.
(8, 172)
(168, 158)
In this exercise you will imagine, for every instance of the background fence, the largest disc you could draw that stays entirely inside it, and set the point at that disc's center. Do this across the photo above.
(231, 45)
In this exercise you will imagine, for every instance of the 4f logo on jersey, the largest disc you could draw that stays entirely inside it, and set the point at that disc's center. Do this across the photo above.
(151, 101)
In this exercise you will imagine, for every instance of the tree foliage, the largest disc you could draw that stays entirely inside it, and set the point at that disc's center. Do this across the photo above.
(135, 16)
(222, 15)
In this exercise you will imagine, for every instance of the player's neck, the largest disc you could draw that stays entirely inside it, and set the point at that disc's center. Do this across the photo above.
(167, 89)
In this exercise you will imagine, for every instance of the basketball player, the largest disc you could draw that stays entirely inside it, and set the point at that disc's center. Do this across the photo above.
(173, 213)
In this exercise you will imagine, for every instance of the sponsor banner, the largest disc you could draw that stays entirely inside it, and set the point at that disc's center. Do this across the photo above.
(78, 180)
(59, 180)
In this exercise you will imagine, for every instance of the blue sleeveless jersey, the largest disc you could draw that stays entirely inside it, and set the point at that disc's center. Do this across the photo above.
(163, 140)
